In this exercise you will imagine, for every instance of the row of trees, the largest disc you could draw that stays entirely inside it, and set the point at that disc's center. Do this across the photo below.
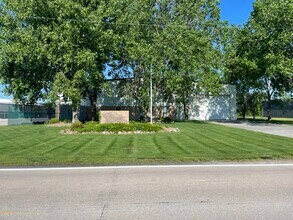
(70, 47)
(66, 46)
(259, 56)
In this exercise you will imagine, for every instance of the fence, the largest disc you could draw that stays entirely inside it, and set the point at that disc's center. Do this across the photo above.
(279, 109)
(13, 114)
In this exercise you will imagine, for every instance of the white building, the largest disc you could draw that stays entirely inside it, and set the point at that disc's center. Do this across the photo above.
(201, 107)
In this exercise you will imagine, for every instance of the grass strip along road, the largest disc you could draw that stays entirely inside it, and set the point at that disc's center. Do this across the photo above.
(263, 120)
(40, 145)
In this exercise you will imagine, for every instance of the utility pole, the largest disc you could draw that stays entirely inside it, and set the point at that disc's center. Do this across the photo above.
(151, 96)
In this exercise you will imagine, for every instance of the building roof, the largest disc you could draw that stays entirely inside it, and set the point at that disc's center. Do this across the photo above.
(6, 101)
(10, 101)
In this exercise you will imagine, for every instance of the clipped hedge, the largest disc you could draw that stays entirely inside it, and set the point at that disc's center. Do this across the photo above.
(114, 128)
(56, 121)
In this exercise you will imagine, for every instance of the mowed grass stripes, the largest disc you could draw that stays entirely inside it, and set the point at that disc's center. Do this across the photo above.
(40, 145)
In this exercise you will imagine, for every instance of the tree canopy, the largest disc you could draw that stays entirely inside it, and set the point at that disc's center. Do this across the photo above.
(259, 56)
(48, 44)
(176, 40)
(65, 47)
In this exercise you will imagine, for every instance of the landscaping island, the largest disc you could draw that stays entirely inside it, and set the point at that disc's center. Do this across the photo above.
(117, 128)
(111, 128)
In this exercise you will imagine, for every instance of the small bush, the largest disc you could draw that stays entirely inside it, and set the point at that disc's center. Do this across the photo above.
(53, 121)
(76, 126)
(166, 120)
(90, 126)
(115, 128)
(99, 116)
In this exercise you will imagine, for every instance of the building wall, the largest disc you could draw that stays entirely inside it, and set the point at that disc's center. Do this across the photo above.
(202, 107)
(221, 107)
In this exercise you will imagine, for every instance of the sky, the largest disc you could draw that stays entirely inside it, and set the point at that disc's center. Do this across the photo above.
(234, 11)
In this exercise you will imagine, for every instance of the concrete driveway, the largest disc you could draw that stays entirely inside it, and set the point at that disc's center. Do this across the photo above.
(183, 192)
(268, 128)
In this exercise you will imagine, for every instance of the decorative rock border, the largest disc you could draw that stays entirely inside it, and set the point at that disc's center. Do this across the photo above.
(165, 129)
(61, 124)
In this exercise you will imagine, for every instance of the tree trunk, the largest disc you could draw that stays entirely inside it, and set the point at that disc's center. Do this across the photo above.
(243, 110)
(243, 113)
(94, 110)
(75, 113)
(253, 115)
(185, 110)
(269, 107)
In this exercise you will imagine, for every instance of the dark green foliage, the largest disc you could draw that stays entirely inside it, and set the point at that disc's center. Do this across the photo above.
(48, 48)
(177, 47)
(166, 120)
(115, 128)
(259, 55)
(77, 125)
(254, 103)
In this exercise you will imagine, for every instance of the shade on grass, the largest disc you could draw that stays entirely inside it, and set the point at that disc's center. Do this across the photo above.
(196, 141)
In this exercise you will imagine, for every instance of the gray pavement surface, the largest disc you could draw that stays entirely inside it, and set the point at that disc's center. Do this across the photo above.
(275, 129)
(149, 193)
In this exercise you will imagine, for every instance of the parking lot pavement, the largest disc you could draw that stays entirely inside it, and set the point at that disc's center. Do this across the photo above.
(275, 129)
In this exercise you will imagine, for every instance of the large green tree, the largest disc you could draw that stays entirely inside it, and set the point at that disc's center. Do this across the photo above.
(271, 27)
(177, 42)
(239, 69)
(24, 66)
(63, 46)
(261, 59)
(46, 41)
(133, 56)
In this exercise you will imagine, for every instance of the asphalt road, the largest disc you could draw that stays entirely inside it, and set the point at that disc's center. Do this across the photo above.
(203, 192)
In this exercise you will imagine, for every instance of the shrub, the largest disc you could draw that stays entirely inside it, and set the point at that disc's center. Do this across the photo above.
(89, 126)
(99, 116)
(91, 123)
(53, 121)
(166, 120)
(76, 126)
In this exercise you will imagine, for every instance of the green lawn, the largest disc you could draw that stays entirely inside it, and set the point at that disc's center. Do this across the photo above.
(39, 145)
